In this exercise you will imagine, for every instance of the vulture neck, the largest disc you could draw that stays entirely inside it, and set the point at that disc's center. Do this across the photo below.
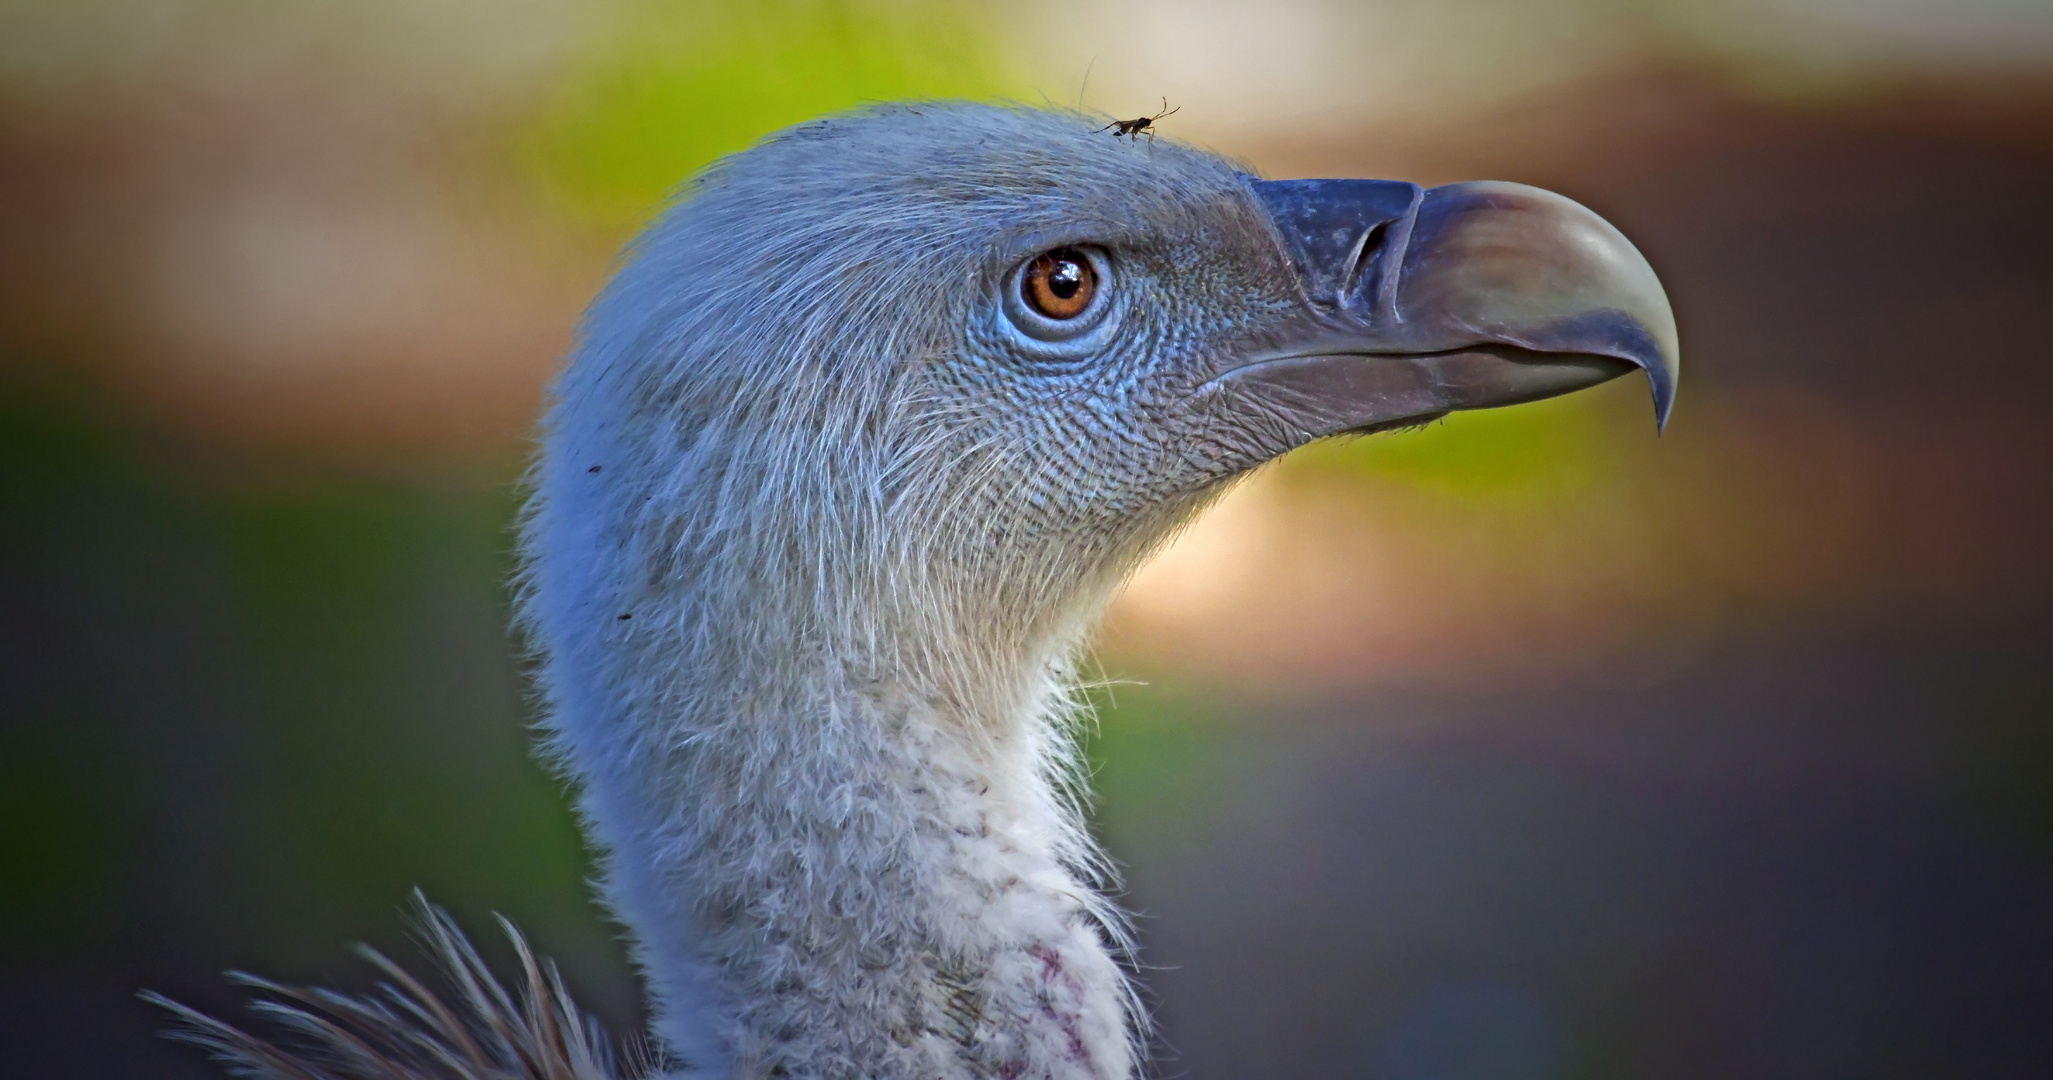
(865, 861)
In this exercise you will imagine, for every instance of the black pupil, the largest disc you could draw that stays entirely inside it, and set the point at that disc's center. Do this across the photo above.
(1065, 277)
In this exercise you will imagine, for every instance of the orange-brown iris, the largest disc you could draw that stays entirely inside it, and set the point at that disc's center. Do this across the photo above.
(1059, 284)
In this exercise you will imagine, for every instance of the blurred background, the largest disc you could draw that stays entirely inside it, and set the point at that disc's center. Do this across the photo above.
(1525, 746)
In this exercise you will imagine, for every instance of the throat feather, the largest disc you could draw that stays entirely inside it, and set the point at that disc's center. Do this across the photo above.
(865, 876)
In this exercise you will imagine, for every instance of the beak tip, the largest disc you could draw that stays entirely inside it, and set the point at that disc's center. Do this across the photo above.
(1661, 380)
(1658, 353)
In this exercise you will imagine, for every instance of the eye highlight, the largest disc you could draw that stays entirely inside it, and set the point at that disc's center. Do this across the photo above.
(1059, 284)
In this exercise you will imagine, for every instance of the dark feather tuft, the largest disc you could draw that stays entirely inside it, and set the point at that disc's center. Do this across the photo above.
(477, 1030)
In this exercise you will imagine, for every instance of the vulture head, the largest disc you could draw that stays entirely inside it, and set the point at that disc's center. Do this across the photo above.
(845, 464)
(922, 383)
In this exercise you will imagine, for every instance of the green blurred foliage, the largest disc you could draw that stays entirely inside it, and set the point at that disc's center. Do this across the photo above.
(665, 88)
(265, 705)
(60, 839)
(1163, 764)
(1543, 450)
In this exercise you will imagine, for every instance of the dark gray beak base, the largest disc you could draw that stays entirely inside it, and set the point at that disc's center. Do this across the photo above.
(1418, 302)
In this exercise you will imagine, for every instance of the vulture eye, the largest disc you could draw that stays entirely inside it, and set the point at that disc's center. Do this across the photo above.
(1061, 303)
(1059, 284)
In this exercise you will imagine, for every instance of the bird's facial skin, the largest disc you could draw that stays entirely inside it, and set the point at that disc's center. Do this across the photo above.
(1224, 330)
(1092, 412)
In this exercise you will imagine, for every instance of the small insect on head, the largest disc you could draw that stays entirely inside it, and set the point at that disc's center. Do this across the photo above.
(1133, 128)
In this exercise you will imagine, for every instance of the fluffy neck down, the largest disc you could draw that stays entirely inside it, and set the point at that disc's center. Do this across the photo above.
(834, 875)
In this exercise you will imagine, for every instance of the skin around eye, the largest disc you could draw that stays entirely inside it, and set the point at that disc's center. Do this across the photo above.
(1059, 284)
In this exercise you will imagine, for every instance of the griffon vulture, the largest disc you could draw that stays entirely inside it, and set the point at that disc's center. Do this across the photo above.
(847, 460)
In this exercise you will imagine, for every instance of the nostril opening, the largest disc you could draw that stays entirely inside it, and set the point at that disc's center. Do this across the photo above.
(1364, 254)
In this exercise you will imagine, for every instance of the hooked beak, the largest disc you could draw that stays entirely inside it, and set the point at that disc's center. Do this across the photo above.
(1419, 302)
